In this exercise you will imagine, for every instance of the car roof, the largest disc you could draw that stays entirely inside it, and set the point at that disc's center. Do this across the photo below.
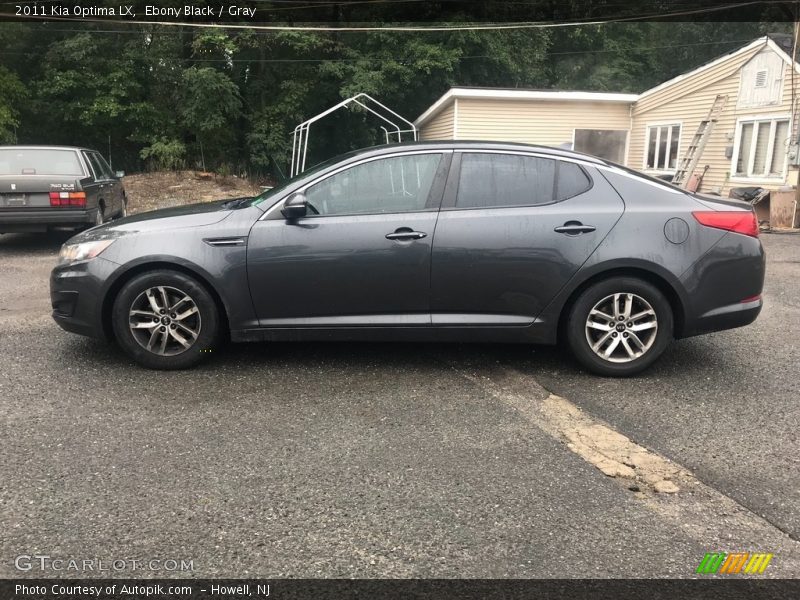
(480, 145)
(45, 147)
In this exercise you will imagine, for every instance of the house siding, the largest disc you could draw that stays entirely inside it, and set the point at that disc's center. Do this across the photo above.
(685, 100)
(688, 101)
(440, 127)
(550, 123)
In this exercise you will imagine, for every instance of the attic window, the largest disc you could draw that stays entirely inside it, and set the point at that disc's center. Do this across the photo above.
(761, 78)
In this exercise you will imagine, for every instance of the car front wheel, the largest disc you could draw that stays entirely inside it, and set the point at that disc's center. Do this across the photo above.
(619, 326)
(165, 320)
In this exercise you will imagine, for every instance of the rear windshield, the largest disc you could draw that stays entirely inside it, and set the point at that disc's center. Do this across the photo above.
(14, 161)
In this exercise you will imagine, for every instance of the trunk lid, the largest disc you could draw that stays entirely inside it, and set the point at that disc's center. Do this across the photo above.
(720, 203)
(33, 191)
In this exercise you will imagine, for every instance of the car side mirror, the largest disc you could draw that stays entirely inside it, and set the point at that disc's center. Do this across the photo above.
(295, 206)
(119, 174)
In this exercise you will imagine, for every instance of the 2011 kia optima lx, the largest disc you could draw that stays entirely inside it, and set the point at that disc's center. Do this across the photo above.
(456, 241)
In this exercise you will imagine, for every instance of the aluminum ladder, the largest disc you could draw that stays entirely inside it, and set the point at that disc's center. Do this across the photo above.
(695, 150)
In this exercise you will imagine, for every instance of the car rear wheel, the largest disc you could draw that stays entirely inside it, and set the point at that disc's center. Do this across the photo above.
(165, 320)
(619, 326)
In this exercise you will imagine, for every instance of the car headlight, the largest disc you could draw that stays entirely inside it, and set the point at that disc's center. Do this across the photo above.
(83, 250)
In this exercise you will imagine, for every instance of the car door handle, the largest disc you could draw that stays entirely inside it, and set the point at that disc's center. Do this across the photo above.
(574, 228)
(404, 233)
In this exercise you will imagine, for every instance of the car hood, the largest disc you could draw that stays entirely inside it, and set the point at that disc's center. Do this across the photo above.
(178, 217)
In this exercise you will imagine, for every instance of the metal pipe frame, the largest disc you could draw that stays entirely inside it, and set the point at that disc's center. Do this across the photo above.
(302, 131)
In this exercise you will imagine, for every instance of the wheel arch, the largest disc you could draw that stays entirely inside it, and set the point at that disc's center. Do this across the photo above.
(644, 272)
(151, 265)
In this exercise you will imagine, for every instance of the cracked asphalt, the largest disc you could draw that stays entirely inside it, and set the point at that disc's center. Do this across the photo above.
(387, 460)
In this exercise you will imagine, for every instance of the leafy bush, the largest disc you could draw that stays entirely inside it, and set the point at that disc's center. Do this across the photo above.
(164, 154)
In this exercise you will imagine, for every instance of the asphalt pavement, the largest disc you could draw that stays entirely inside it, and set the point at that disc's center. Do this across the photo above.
(385, 460)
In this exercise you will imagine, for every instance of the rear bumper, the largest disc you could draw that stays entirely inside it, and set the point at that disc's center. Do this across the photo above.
(727, 317)
(724, 286)
(76, 294)
(41, 219)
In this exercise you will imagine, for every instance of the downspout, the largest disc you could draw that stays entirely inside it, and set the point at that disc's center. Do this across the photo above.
(455, 118)
(794, 115)
(630, 134)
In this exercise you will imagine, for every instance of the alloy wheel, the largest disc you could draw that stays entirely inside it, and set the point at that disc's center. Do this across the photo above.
(164, 320)
(621, 327)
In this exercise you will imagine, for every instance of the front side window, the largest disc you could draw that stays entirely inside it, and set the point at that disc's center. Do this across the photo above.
(97, 167)
(505, 180)
(761, 148)
(386, 185)
(662, 147)
(104, 165)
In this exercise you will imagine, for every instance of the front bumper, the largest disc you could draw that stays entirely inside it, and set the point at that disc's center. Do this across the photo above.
(76, 294)
(32, 220)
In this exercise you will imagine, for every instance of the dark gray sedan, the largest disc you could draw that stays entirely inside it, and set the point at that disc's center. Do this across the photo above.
(57, 187)
(453, 241)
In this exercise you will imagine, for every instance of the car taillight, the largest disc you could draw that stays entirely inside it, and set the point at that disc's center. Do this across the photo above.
(68, 199)
(737, 221)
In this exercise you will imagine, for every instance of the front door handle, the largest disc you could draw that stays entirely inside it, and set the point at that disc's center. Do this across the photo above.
(404, 233)
(574, 228)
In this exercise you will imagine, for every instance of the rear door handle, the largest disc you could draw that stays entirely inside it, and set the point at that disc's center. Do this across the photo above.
(404, 233)
(574, 228)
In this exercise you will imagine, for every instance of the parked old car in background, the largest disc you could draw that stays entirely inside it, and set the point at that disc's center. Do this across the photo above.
(444, 241)
(56, 187)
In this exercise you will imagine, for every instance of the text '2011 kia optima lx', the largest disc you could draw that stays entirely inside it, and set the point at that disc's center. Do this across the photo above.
(453, 241)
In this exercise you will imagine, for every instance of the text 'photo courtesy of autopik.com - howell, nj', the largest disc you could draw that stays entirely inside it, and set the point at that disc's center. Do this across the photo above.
(354, 299)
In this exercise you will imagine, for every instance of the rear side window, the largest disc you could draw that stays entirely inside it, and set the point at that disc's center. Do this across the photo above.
(18, 161)
(505, 180)
(571, 181)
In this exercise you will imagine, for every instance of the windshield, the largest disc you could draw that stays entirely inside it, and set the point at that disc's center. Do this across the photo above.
(18, 161)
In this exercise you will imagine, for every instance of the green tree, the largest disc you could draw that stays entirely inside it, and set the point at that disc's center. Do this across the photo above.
(11, 94)
(209, 106)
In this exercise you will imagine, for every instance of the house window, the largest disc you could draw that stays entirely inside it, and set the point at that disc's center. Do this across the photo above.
(605, 143)
(662, 146)
(760, 148)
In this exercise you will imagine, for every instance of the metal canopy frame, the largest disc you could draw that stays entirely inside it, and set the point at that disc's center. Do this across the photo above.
(301, 132)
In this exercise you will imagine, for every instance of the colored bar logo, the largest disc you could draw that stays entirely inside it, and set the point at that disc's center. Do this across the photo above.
(734, 563)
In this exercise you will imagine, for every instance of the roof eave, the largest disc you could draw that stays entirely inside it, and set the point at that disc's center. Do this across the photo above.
(499, 94)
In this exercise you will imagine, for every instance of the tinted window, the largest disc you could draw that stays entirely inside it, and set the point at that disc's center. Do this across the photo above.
(572, 180)
(388, 185)
(97, 166)
(497, 180)
(489, 180)
(15, 161)
(105, 166)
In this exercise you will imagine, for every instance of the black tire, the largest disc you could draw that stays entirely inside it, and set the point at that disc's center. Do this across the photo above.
(123, 212)
(207, 320)
(99, 218)
(578, 330)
